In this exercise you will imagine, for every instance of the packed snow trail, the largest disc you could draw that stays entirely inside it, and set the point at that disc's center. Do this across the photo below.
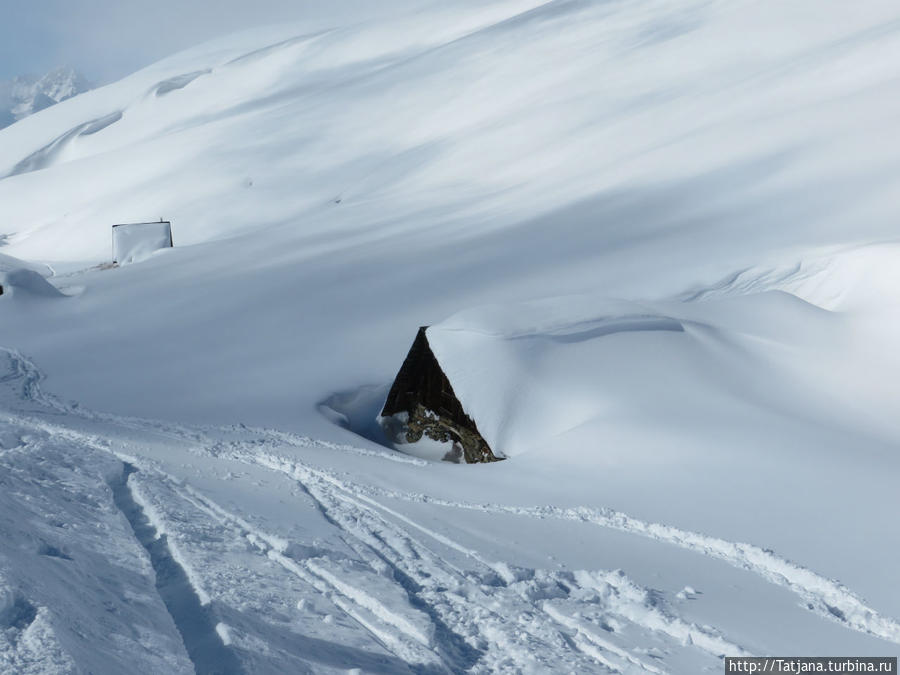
(428, 602)
(186, 607)
(826, 597)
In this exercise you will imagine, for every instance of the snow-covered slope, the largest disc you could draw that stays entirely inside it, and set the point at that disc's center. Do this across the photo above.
(656, 245)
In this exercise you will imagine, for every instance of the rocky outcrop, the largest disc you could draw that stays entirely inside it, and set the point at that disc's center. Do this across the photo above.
(421, 403)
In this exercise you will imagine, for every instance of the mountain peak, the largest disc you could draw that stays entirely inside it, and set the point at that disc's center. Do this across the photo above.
(26, 94)
(63, 83)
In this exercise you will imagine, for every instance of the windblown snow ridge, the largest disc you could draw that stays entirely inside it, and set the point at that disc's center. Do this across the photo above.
(48, 154)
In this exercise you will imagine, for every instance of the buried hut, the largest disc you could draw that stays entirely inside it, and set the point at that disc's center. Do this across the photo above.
(549, 375)
(19, 276)
(133, 242)
(421, 403)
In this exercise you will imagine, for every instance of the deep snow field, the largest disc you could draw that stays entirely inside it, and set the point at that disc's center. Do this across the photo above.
(658, 247)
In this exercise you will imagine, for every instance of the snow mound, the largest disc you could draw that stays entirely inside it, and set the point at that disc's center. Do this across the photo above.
(17, 275)
(531, 373)
(9, 263)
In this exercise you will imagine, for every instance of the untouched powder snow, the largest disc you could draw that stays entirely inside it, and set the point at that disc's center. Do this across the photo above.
(656, 244)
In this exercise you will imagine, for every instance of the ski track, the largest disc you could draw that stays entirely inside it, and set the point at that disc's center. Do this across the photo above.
(394, 630)
(452, 596)
(432, 613)
(826, 597)
(176, 583)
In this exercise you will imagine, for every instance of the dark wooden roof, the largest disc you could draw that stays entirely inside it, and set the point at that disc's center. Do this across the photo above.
(421, 381)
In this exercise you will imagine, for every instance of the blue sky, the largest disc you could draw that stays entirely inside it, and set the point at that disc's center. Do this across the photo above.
(107, 39)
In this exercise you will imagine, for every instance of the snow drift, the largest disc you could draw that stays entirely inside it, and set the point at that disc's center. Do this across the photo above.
(559, 370)
(20, 276)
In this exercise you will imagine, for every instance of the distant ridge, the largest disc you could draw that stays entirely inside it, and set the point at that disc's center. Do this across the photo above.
(25, 95)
